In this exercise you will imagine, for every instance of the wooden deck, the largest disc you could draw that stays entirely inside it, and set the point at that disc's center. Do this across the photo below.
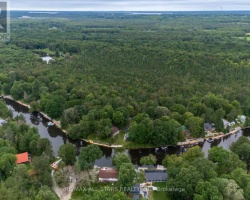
(101, 144)
(224, 135)
(19, 102)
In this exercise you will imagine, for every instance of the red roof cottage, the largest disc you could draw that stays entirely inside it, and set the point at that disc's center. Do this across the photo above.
(107, 174)
(22, 158)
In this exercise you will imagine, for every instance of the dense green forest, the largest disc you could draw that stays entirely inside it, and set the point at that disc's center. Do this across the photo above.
(220, 176)
(145, 74)
(25, 181)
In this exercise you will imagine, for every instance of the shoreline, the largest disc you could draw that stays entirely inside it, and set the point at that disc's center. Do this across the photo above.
(56, 123)
(202, 140)
(190, 143)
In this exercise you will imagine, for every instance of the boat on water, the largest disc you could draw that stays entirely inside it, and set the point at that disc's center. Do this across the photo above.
(50, 124)
(210, 140)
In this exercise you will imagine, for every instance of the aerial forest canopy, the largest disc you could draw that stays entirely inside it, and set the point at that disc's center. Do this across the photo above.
(150, 74)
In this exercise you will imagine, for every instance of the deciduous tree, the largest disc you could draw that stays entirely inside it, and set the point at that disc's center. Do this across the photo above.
(88, 155)
(127, 176)
(68, 153)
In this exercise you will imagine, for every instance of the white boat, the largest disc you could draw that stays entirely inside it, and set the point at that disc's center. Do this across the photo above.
(50, 124)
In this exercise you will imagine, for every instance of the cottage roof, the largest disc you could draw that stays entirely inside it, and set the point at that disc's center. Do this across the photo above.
(157, 175)
(114, 129)
(208, 126)
(225, 122)
(2, 121)
(22, 158)
(108, 173)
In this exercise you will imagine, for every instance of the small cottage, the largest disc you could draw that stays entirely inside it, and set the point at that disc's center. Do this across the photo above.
(107, 174)
(208, 127)
(2, 121)
(226, 123)
(156, 175)
(22, 158)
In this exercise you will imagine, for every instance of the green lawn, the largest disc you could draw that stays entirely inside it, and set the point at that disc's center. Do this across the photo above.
(161, 195)
(96, 139)
(242, 38)
(47, 50)
(30, 168)
(28, 165)
(118, 140)
(78, 193)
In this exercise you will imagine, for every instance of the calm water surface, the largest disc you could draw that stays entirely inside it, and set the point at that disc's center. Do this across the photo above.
(57, 138)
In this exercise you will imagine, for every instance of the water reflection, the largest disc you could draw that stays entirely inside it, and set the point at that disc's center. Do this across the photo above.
(57, 138)
(106, 159)
(247, 132)
(55, 135)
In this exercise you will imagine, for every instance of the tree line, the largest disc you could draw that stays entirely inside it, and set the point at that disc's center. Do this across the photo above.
(142, 73)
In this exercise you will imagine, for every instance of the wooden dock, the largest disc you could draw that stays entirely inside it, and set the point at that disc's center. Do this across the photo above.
(191, 142)
(19, 102)
(102, 144)
(224, 135)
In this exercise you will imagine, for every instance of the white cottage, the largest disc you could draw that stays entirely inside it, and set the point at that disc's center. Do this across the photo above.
(226, 123)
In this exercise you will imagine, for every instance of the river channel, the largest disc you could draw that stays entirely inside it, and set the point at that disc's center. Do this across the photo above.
(57, 138)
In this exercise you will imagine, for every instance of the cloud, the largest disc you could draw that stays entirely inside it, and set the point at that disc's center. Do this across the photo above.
(129, 5)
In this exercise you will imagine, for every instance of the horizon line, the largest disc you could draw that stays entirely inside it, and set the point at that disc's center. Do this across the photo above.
(126, 10)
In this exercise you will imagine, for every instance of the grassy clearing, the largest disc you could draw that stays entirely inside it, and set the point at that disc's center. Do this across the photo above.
(28, 165)
(30, 169)
(95, 138)
(160, 194)
(118, 140)
(79, 192)
(243, 38)
(47, 50)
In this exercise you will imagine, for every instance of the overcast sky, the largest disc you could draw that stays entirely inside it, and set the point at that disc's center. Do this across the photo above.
(129, 5)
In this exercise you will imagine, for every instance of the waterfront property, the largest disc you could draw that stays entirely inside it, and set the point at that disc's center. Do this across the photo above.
(209, 127)
(241, 119)
(58, 134)
(22, 158)
(108, 174)
(225, 123)
(115, 130)
(2, 121)
(156, 175)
